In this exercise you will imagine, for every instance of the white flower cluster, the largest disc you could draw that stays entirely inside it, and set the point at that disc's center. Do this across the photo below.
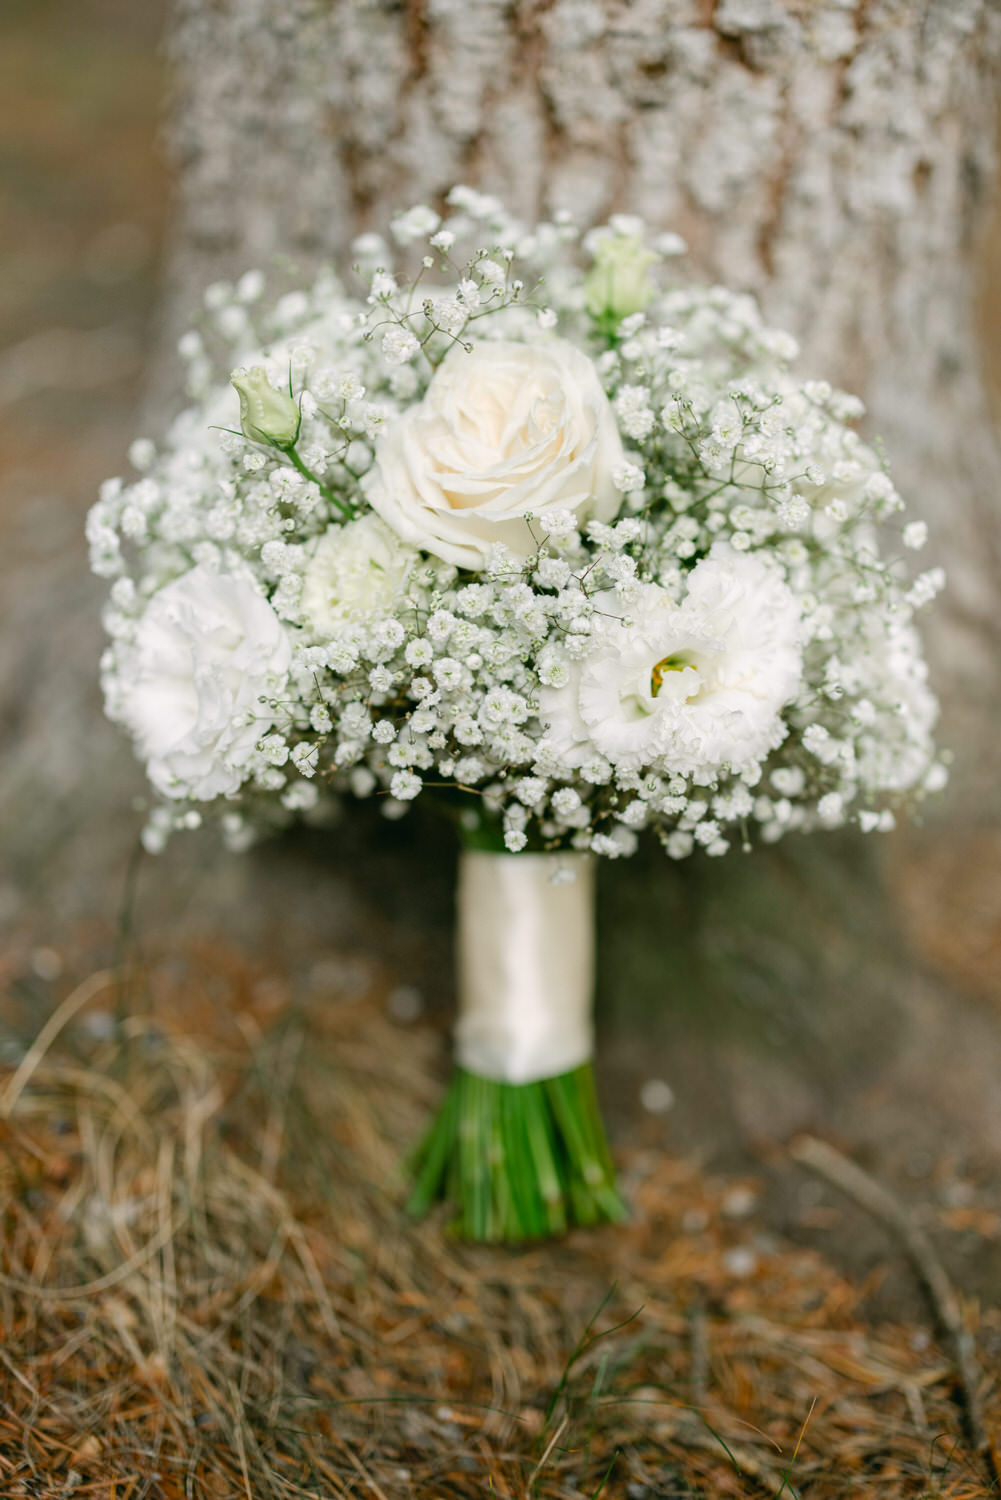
(569, 548)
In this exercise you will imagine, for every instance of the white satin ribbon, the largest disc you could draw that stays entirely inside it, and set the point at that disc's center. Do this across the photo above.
(525, 964)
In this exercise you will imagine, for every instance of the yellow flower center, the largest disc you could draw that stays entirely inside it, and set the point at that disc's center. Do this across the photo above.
(675, 663)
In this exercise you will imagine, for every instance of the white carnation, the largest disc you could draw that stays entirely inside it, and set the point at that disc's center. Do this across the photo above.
(207, 650)
(355, 570)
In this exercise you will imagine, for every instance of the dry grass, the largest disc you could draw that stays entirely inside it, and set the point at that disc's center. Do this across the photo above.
(208, 1290)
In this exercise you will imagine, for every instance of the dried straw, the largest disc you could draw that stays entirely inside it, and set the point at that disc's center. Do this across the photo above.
(209, 1289)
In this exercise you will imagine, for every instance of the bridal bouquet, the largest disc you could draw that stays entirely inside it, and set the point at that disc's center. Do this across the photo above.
(526, 522)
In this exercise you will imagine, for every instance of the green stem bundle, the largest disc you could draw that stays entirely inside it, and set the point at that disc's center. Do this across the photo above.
(518, 1161)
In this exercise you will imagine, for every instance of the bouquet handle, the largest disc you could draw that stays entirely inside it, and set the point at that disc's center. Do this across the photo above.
(519, 1147)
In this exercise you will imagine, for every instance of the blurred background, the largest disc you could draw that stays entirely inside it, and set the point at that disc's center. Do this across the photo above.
(879, 1023)
(85, 196)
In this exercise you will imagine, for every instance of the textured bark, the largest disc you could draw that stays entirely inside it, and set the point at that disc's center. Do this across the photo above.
(833, 156)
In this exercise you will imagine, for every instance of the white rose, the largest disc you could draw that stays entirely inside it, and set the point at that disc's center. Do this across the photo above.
(683, 688)
(354, 570)
(505, 430)
(206, 650)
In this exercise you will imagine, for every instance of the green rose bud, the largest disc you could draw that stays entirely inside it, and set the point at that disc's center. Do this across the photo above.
(266, 415)
(618, 284)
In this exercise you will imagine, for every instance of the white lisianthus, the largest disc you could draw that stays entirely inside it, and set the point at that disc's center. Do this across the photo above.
(266, 415)
(505, 430)
(207, 649)
(355, 570)
(619, 285)
(685, 688)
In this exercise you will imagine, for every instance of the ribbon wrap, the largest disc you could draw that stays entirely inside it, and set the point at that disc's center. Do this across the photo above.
(525, 964)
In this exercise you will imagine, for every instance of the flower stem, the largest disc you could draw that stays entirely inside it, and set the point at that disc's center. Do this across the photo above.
(518, 1161)
(485, 834)
(347, 510)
